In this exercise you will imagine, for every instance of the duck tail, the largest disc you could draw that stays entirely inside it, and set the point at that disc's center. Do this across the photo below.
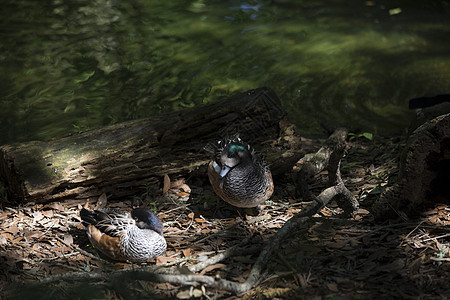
(86, 217)
(92, 217)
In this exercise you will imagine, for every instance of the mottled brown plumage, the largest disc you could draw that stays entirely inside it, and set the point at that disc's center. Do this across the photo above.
(124, 236)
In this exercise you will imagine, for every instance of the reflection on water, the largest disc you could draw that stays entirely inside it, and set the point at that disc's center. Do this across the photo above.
(67, 66)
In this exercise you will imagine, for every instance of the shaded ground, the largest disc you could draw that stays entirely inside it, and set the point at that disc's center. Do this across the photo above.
(328, 257)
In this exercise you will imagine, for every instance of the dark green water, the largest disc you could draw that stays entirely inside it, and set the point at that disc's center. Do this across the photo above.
(68, 66)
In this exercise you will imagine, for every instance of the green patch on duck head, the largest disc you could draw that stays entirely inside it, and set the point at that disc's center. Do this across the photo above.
(236, 148)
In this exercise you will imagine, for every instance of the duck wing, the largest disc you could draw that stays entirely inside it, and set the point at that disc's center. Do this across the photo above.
(112, 222)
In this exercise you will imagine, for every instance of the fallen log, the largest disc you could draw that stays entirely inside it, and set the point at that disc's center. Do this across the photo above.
(120, 159)
(424, 172)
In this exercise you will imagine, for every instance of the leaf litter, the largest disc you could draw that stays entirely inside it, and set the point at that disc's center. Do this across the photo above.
(328, 257)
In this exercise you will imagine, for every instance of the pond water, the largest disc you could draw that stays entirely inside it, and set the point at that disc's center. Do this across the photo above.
(68, 66)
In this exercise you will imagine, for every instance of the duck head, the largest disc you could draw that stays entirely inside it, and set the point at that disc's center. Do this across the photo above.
(232, 155)
(147, 219)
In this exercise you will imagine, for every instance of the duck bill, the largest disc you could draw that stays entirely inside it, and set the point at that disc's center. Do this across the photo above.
(223, 172)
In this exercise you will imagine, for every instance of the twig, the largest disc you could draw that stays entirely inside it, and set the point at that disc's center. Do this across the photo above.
(337, 189)
(418, 225)
(176, 208)
(274, 243)
(222, 256)
(435, 237)
(45, 232)
(440, 258)
(127, 275)
(176, 262)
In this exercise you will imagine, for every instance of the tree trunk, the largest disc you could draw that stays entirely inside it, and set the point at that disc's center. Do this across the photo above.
(121, 158)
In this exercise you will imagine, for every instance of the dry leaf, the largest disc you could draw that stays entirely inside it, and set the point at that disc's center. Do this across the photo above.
(3, 240)
(177, 183)
(185, 188)
(184, 295)
(186, 252)
(68, 239)
(332, 287)
(61, 249)
(324, 172)
(273, 225)
(184, 270)
(32, 234)
(166, 186)
(292, 211)
(212, 267)
(362, 211)
(197, 293)
(101, 201)
(337, 244)
(183, 194)
(4, 215)
(48, 213)
(13, 229)
(246, 273)
(54, 205)
(240, 279)
(163, 259)
(37, 216)
(9, 236)
(16, 240)
(230, 222)
(164, 286)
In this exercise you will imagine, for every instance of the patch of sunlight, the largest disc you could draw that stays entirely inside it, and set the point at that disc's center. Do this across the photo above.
(386, 109)
(232, 85)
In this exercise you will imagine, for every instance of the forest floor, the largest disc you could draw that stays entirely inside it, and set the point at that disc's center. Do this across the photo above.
(327, 257)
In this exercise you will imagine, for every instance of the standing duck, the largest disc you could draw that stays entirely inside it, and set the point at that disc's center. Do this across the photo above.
(238, 174)
(125, 236)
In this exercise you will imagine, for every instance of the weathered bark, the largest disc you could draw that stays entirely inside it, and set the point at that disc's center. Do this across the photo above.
(424, 171)
(121, 158)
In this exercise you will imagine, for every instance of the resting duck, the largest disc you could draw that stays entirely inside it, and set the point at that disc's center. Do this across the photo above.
(124, 236)
(238, 174)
